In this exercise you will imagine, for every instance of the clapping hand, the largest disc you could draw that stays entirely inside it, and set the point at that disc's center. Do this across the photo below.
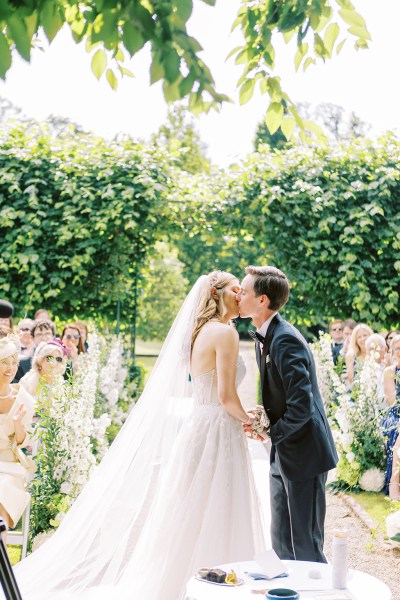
(19, 415)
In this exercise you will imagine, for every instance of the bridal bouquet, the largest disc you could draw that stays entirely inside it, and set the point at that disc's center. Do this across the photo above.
(261, 422)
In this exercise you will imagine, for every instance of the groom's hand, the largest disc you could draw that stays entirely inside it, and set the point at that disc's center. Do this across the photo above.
(248, 429)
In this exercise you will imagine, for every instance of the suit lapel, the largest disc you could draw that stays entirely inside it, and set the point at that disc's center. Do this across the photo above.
(258, 356)
(266, 345)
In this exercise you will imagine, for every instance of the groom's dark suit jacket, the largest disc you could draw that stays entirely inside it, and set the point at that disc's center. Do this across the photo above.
(300, 433)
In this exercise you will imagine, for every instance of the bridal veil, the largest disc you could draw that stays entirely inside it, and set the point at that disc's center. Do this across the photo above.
(93, 544)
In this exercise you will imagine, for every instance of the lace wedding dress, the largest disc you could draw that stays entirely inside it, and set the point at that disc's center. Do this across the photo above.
(174, 493)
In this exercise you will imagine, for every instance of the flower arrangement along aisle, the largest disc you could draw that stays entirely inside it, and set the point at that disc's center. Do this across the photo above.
(355, 418)
(73, 419)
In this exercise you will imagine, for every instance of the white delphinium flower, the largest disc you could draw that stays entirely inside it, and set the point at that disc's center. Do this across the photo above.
(112, 375)
(79, 419)
(372, 480)
(99, 428)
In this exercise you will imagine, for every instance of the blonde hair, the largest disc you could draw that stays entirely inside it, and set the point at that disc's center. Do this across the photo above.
(354, 348)
(211, 304)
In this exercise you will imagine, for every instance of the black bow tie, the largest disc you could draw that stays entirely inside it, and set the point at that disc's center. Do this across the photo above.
(257, 337)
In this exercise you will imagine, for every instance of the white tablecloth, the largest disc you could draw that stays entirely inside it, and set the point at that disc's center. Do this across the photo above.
(360, 585)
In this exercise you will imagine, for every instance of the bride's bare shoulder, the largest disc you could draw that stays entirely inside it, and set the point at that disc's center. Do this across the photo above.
(222, 331)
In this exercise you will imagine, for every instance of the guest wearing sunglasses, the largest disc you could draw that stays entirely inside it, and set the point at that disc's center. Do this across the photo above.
(336, 333)
(48, 364)
(42, 331)
(71, 338)
(24, 330)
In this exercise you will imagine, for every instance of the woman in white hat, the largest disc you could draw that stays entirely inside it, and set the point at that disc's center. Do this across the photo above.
(16, 414)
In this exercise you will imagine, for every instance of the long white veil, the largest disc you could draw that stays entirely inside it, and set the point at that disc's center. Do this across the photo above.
(96, 539)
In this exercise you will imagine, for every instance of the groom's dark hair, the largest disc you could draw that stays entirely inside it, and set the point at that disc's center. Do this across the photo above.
(272, 282)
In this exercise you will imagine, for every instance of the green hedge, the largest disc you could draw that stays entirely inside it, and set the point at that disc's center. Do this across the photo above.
(77, 217)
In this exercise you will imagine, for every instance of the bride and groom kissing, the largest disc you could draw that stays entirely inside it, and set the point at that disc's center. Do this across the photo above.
(176, 491)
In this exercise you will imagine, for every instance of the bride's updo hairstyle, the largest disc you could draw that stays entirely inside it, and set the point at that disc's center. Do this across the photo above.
(211, 304)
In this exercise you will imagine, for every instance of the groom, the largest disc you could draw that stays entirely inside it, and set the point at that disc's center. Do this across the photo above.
(302, 446)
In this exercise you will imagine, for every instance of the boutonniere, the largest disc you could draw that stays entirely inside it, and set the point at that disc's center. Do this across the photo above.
(267, 359)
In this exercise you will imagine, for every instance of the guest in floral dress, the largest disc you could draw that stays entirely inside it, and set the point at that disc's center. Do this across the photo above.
(391, 421)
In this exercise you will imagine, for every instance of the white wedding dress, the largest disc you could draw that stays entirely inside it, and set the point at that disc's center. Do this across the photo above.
(175, 492)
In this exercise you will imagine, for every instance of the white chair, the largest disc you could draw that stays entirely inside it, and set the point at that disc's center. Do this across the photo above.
(19, 535)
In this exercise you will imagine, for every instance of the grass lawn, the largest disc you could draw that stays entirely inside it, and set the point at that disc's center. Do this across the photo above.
(152, 347)
(14, 552)
(377, 506)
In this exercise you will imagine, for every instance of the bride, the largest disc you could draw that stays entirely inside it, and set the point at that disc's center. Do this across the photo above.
(175, 492)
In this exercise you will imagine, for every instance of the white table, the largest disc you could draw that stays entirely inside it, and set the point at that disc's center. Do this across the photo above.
(360, 585)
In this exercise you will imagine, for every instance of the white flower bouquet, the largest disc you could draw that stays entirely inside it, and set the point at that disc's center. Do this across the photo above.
(260, 426)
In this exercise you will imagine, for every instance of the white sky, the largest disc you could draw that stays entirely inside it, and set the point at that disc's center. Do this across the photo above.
(59, 81)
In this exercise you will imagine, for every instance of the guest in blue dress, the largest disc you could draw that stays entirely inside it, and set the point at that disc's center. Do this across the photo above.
(391, 421)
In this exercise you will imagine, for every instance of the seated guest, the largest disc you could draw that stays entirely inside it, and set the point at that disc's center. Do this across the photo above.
(24, 329)
(391, 422)
(348, 326)
(42, 331)
(355, 355)
(42, 315)
(48, 364)
(71, 338)
(336, 333)
(375, 348)
(83, 329)
(6, 313)
(389, 337)
(4, 331)
(16, 414)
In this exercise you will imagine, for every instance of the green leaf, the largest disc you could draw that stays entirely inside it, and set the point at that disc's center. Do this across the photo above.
(246, 91)
(360, 32)
(51, 20)
(287, 126)
(186, 84)
(309, 61)
(171, 91)
(99, 63)
(184, 9)
(288, 35)
(18, 32)
(111, 78)
(300, 54)
(340, 46)
(156, 70)
(210, 2)
(330, 36)
(171, 62)
(351, 17)
(5, 56)
(274, 116)
(132, 38)
(233, 51)
(31, 24)
(319, 47)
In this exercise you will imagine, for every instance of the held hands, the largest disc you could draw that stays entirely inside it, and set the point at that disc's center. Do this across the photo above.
(258, 426)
